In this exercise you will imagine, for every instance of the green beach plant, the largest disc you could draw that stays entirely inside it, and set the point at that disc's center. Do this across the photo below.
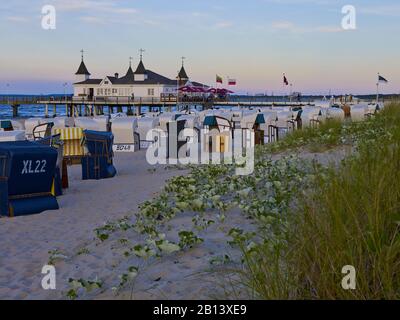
(350, 216)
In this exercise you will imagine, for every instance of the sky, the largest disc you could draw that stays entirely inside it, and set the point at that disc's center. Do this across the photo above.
(253, 41)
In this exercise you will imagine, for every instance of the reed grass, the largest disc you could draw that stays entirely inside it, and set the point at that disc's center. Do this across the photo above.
(349, 216)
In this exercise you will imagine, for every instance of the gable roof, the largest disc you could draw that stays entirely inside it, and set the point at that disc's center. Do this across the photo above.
(82, 69)
(129, 79)
(152, 78)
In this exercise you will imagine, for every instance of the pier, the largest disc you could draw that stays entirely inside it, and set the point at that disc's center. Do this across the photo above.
(85, 106)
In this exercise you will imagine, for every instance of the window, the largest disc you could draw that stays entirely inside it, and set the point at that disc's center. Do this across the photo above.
(150, 92)
(114, 91)
(106, 82)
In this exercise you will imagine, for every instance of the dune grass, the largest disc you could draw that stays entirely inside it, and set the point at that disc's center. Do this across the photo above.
(349, 216)
(332, 133)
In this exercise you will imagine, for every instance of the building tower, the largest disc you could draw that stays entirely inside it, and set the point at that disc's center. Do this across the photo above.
(82, 74)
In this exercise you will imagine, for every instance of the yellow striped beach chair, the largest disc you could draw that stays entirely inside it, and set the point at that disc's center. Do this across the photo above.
(72, 138)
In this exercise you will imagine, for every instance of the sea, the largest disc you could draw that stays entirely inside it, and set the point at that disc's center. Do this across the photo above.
(28, 111)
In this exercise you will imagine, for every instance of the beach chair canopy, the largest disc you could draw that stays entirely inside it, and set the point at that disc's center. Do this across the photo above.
(210, 121)
(250, 119)
(6, 125)
(124, 130)
(145, 125)
(29, 168)
(16, 135)
(99, 143)
(72, 138)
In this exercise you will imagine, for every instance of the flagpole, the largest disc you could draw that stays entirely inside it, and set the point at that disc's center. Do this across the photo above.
(377, 90)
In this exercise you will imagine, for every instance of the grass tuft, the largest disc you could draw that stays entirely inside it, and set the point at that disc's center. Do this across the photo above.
(349, 216)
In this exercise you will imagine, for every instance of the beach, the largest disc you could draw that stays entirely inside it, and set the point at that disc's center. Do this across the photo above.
(85, 206)
(29, 242)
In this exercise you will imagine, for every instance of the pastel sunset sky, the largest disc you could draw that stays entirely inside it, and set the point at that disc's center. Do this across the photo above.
(254, 41)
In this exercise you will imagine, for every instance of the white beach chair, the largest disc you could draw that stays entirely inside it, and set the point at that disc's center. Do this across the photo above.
(310, 117)
(126, 139)
(16, 135)
(96, 124)
(359, 112)
(30, 124)
(164, 118)
(333, 113)
(145, 125)
(63, 122)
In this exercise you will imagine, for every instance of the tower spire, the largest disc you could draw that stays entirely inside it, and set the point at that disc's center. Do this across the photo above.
(182, 75)
(82, 52)
(130, 62)
(141, 51)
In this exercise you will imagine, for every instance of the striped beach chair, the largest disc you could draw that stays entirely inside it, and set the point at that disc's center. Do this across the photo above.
(72, 138)
(72, 148)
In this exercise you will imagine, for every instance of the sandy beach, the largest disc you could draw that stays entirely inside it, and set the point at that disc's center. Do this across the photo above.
(69, 236)
(28, 241)
(84, 206)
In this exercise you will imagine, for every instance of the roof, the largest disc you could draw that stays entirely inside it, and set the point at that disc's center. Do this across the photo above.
(90, 81)
(129, 79)
(182, 74)
(82, 69)
(129, 72)
(198, 84)
(140, 68)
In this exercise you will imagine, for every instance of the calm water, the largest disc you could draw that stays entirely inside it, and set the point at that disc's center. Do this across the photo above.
(29, 111)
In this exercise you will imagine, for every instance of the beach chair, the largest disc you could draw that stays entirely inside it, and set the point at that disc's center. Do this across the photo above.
(98, 162)
(146, 125)
(252, 121)
(72, 139)
(30, 124)
(6, 125)
(100, 123)
(59, 183)
(42, 131)
(16, 135)
(73, 151)
(126, 139)
(27, 171)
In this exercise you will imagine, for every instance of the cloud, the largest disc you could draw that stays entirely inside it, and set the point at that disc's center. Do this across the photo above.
(382, 10)
(291, 27)
(17, 19)
(223, 25)
(108, 6)
(92, 20)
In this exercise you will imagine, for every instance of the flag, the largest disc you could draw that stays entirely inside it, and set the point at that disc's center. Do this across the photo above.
(285, 80)
(382, 79)
(232, 82)
(219, 79)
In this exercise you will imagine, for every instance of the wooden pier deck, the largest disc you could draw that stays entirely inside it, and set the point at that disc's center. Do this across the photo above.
(98, 105)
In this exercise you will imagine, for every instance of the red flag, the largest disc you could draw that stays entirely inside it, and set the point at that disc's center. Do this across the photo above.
(219, 79)
(232, 82)
(285, 80)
